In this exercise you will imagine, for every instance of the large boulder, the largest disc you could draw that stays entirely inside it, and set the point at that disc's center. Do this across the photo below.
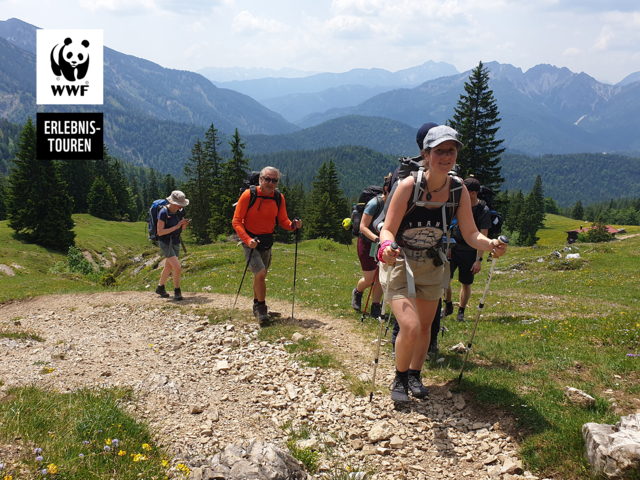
(614, 450)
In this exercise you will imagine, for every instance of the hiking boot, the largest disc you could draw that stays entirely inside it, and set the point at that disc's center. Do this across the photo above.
(400, 390)
(376, 310)
(460, 316)
(356, 299)
(177, 294)
(161, 291)
(448, 309)
(418, 390)
(262, 310)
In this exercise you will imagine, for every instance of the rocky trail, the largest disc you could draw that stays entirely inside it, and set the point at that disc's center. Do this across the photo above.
(204, 386)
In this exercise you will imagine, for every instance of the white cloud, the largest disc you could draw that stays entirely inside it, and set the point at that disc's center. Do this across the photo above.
(571, 52)
(246, 24)
(603, 40)
(196, 27)
(127, 7)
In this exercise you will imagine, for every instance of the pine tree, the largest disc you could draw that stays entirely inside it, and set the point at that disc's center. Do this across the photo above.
(3, 194)
(532, 216)
(327, 206)
(101, 200)
(38, 203)
(79, 176)
(170, 184)
(154, 190)
(198, 189)
(137, 198)
(234, 171)
(512, 219)
(578, 212)
(475, 119)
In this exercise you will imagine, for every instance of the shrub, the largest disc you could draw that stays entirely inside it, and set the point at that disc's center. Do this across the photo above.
(77, 263)
(326, 245)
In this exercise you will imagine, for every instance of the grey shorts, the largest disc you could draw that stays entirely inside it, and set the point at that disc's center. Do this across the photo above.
(172, 250)
(259, 260)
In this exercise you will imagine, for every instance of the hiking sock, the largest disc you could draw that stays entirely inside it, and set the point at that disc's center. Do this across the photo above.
(415, 373)
(461, 310)
(255, 301)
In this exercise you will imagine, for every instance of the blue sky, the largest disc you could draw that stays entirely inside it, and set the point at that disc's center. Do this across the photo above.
(600, 38)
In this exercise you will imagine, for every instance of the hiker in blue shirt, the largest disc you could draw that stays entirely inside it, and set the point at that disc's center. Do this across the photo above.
(171, 221)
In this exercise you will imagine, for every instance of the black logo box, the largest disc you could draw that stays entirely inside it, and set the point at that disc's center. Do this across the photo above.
(69, 136)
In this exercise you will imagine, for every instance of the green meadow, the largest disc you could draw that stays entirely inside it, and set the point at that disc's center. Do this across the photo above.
(548, 323)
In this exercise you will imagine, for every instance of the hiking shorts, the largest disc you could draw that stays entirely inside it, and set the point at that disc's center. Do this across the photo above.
(172, 250)
(427, 277)
(259, 260)
(463, 260)
(367, 262)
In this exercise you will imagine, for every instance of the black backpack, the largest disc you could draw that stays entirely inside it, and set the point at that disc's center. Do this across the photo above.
(372, 191)
(487, 195)
(251, 183)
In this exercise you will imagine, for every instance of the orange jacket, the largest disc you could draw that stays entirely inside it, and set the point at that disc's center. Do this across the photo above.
(261, 217)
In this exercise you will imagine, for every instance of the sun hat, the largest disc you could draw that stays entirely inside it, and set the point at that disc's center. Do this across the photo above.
(178, 198)
(423, 133)
(440, 134)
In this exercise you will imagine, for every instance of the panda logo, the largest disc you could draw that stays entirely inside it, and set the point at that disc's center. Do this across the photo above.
(70, 59)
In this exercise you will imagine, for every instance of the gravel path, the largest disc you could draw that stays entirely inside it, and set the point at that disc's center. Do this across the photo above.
(204, 386)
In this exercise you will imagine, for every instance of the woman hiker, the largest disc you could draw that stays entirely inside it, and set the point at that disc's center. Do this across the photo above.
(418, 229)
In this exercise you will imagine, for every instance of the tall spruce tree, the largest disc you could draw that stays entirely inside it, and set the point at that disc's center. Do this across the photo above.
(137, 197)
(154, 190)
(234, 171)
(101, 200)
(327, 206)
(513, 217)
(170, 184)
(79, 176)
(217, 223)
(198, 188)
(38, 204)
(532, 216)
(3, 194)
(476, 119)
(578, 212)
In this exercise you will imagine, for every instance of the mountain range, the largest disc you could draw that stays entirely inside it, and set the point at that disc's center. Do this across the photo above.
(153, 115)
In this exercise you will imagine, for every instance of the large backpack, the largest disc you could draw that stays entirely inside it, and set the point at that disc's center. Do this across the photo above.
(497, 219)
(456, 234)
(251, 183)
(372, 191)
(152, 222)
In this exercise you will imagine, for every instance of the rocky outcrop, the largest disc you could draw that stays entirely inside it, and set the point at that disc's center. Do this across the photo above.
(614, 450)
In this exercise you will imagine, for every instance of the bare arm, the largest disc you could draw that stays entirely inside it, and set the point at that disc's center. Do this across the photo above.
(397, 209)
(166, 231)
(366, 231)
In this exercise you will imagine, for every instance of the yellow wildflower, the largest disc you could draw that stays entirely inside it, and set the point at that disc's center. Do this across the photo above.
(146, 446)
(108, 441)
(122, 453)
(52, 469)
(139, 458)
(165, 463)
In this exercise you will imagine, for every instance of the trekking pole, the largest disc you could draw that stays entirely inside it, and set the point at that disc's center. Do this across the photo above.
(295, 268)
(394, 246)
(375, 275)
(241, 281)
(501, 239)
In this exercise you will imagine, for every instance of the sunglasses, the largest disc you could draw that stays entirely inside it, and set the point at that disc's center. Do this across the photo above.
(270, 180)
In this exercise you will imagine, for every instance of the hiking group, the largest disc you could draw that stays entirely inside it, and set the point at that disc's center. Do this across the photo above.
(404, 230)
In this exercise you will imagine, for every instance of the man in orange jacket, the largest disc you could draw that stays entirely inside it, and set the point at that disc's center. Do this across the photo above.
(254, 223)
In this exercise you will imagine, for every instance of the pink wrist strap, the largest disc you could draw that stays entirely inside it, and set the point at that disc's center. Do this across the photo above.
(384, 245)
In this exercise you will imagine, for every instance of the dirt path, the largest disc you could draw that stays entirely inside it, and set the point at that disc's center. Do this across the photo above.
(203, 386)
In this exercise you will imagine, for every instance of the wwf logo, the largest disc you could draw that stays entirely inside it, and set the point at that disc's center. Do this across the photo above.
(70, 59)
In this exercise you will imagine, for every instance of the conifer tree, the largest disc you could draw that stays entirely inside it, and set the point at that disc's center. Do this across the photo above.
(234, 171)
(101, 200)
(327, 206)
(532, 216)
(170, 184)
(3, 194)
(154, 190)
(476, 119)
(578, 212)
(294, 198)
(137, 198)
(512, 219)
(217, 223)
(79, 176)
(198, 189)
(38, 204)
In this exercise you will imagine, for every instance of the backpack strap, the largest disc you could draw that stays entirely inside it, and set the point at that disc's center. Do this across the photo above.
(253, 196)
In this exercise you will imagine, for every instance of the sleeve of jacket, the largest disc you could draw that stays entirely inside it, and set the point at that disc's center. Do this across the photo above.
(283, 218)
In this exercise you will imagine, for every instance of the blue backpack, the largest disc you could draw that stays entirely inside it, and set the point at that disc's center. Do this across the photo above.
(153, 217)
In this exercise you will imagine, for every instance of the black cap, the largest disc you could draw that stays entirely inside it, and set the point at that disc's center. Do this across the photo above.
(424, 129)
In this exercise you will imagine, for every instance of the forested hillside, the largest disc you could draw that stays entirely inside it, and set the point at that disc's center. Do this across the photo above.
(588, 177)
(357, 166)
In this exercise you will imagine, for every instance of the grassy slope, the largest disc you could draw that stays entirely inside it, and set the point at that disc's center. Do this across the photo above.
(544, 326)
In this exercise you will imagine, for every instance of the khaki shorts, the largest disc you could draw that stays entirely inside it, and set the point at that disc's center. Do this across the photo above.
(428, 279)
(259, 260)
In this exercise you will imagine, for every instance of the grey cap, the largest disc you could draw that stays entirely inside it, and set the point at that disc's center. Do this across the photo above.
(440, 134)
